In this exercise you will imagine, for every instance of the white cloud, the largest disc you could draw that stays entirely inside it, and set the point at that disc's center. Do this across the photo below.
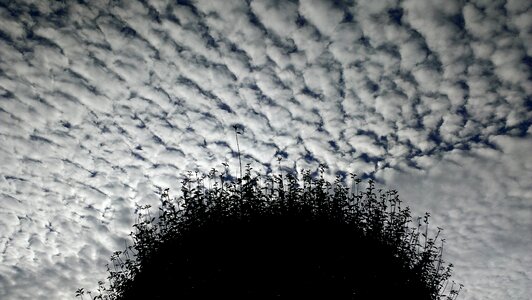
(322, 14)
(278, 16)
(102, 104)
(482, 200)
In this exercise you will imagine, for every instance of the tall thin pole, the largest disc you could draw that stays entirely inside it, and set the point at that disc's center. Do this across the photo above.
(240, 163)
(238, 148)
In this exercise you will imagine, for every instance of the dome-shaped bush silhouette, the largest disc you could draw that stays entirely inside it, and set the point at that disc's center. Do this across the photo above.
(264, 237)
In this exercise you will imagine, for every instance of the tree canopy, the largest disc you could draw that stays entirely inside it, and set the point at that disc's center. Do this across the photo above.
(279, 236)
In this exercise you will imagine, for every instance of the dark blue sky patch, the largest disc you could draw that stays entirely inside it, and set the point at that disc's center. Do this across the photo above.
(77, 76)
(458, 21)
(228, 177)
(249, 159)
(30, 35)
(434, 135)
(172, 19)
(527, 61)
(158, 140)
(460, 146)
(413, 164)
(234, 48)
(152, 12)
(528, 102)
(5, 37)
(446, 147)
(412, 150)
(487, 69)
(396, 14)
(364, 40)
(370, 159)
(281, 153)
(383, 142)
(253, 19)
(104, 129)
(128, 32)
(519, 130)
(314, 174)
(309, 158)
(97, 190)
(522, 128)
(209, 40)
(286, 169)
(189, 4)
(391, 49)
(168, 124)
(478, 139)
(433, 61)
(14, 178)
(14, 9)
(372, 86)
(342, 175)
(170, 166)
(38, 138)
(99, 63)
(6, 94)
(164, 92)
(462, 111)
(49, 227)
(189, 82)
(137, 156)
(253, 86)
(266, 100)
(409, 77)
(341, 85)
(464, 86)
(348, 17)
(59, 17)
(300, 21)
(268, 168)
(307, 91)
(367, 176)
(369, 133)
(222, 143)
(34, 11)
(333, 145)
(66, 124)
(175, 150)
(225, 107)
(319, 126)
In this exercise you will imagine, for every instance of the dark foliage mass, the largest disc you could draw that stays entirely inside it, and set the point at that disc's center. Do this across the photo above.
(263, 237)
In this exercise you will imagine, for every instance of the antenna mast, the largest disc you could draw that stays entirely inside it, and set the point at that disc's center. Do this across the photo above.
(238, 148)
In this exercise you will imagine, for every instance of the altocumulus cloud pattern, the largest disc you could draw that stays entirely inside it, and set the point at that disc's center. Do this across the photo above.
(105, 103)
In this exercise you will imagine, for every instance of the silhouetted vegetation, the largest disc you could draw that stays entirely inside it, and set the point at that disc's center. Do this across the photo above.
(262, 237)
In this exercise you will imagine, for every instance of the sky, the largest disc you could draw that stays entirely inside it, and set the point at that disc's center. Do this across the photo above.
(105, 103)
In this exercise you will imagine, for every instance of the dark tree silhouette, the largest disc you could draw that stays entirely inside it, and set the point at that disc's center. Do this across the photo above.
(264, 237)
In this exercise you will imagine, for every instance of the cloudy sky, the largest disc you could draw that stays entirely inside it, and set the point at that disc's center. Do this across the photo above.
(104, 104)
